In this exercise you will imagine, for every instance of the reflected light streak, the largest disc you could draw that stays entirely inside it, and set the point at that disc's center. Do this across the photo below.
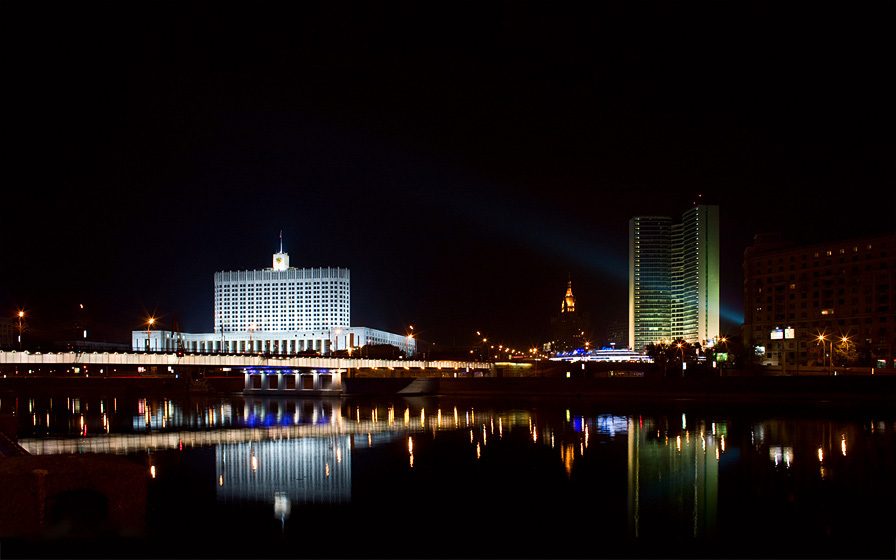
(567, 455)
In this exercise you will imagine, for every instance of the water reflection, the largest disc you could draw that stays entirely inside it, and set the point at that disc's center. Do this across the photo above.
(304, 471)
(644, 474)
(673, 478)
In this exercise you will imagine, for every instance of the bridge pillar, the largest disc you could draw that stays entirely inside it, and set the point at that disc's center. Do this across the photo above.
(292, 383)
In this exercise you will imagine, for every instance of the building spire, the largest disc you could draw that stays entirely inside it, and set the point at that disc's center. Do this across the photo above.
(569, 302)
(281, 259)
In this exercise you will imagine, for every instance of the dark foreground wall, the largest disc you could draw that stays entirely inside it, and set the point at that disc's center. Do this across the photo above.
(72, 496)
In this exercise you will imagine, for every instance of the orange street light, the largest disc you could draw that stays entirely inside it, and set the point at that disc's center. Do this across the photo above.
(21, 315)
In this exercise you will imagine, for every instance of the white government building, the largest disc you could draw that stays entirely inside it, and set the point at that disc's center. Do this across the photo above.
(277, 310)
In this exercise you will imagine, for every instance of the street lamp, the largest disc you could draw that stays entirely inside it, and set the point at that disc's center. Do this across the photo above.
(822, 340)
(21, 314)
(844, 341)
(335, 341)
(149, 324)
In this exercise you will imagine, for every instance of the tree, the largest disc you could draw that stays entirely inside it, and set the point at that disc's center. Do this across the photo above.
(845, 353)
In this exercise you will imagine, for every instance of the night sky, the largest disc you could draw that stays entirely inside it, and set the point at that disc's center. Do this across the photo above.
(463, 159)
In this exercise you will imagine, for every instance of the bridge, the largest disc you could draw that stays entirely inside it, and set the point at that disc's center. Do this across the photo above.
(275, 373)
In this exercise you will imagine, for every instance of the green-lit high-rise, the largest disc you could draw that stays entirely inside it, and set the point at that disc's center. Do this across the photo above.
(674, 277)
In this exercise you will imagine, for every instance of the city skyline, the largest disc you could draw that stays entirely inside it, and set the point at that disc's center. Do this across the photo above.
(465, 163)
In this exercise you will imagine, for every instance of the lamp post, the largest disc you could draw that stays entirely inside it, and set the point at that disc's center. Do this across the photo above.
(844, 340)
(21, 314)
(335, 340)
(823, 340)
(149, 324)
(221, 326)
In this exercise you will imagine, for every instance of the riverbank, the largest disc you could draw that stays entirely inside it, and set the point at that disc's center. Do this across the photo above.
(865, 388)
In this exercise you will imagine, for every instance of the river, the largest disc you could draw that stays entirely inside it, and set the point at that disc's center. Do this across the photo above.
(461, 477)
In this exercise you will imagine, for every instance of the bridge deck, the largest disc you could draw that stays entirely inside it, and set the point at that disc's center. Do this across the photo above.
(227, 360)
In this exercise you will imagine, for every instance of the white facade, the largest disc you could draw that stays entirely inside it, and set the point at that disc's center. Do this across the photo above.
(288, 299)
(277, 310)
(278, 342)
(695, 275)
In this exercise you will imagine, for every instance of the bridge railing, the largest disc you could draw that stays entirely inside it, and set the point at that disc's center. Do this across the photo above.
(227, 360)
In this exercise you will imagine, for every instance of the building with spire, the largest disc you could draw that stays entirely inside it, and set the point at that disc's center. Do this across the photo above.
(570, 329)
(674, 277)
(278, 310)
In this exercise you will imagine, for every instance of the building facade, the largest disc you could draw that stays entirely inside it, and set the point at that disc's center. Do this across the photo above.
(326, 341)
(650, 281)
(695, 275)
(278, 310)
(801, 301)
(674, 277)
(282, 298)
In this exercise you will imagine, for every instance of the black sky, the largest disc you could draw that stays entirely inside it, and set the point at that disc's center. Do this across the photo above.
(463, 159)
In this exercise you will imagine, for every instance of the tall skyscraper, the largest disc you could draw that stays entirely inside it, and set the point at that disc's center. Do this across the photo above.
(674, 277)
(650, 281)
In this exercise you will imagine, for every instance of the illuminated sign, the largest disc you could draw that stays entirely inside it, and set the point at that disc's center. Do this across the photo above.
(779, 334)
